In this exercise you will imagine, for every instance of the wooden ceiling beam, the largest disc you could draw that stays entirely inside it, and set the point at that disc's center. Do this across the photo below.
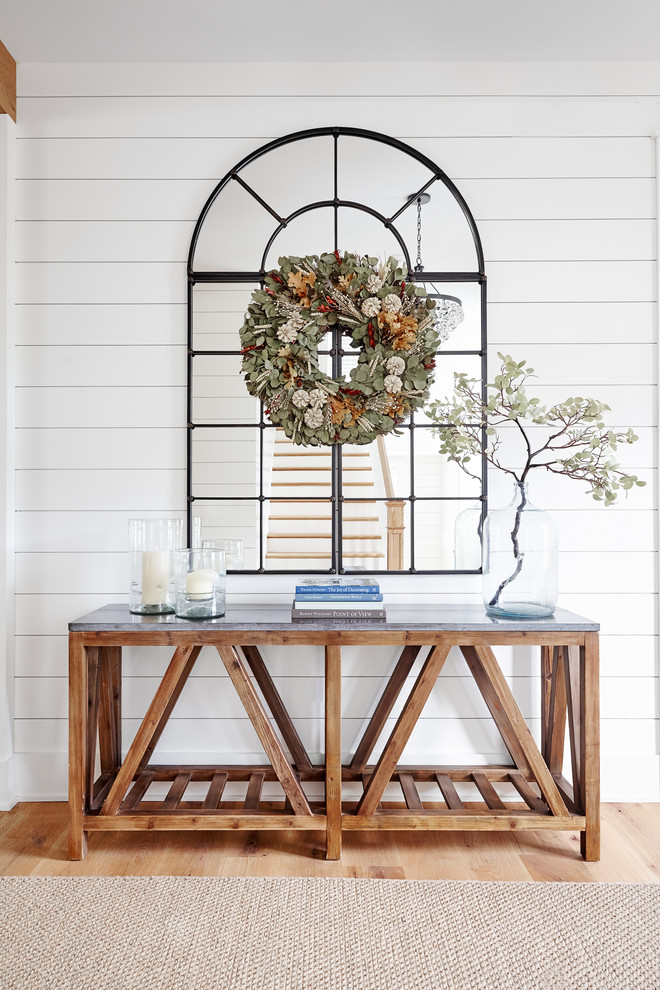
(7, 83)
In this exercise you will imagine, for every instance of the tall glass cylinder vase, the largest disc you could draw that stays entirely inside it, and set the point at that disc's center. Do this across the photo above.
(152, 543)
(520, 563)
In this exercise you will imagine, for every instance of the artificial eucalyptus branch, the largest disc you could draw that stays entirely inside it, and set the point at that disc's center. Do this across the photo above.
(575, 441)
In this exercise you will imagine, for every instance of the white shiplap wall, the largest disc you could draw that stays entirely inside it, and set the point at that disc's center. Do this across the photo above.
(7, 441)
(114, 164)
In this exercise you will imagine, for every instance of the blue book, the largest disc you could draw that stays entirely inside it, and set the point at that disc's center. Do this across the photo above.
(329, 586)
(332, 597)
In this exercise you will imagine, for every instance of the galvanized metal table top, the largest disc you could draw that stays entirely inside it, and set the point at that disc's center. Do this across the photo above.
(410, 618)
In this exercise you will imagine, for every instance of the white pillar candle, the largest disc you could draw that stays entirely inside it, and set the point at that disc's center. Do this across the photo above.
(199, 584)
(155, 577)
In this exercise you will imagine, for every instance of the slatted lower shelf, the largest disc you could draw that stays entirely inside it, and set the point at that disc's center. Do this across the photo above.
(445, 809)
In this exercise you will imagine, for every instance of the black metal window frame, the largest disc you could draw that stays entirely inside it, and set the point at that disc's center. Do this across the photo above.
(336, 351)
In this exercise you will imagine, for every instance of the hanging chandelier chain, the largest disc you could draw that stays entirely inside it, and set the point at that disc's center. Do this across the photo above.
(448, 309)
(418, 260)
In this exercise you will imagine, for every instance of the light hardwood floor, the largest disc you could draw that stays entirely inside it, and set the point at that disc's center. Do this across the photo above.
(33, 841)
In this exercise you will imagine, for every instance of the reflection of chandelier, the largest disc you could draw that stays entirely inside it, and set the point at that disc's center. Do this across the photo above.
(448, 313)
(448, 309)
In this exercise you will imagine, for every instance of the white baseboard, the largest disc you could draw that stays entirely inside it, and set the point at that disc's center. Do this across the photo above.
(8, 796)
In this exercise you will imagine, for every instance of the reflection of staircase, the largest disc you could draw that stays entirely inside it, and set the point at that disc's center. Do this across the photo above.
(300, 532)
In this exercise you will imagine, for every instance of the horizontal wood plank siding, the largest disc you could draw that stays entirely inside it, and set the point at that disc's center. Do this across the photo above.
(114, 164)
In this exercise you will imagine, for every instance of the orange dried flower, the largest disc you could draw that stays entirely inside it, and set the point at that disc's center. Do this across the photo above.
(401, 330)
(345, 412)
(299, 281)
(404, 341)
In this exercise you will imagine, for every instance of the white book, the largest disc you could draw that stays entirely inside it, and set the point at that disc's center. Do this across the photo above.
(339, 606)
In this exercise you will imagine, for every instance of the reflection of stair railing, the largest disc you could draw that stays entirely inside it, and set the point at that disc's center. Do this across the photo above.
(395, 507)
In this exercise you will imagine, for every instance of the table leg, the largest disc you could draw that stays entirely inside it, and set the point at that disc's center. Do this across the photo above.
(78, 700)
(590, 746)
(93, 698)
(546, 687)
(333, 751)
(575, 718)
(553, 753)
(110, 709)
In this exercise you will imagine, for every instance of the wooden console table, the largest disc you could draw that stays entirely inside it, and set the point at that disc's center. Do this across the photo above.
(117, 798)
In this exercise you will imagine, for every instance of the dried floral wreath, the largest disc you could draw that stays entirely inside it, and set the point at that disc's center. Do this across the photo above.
(391, 326)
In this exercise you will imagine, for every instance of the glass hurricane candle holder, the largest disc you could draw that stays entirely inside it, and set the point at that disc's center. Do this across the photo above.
(233, 552)
(151, 543)
(200, 582)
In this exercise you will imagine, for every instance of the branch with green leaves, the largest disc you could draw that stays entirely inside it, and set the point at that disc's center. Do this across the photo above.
(575, 443)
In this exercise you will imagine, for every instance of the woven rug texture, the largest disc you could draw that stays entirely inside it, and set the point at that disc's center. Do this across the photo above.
(188, 933)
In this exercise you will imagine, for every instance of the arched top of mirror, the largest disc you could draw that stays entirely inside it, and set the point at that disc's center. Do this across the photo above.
(334, 188)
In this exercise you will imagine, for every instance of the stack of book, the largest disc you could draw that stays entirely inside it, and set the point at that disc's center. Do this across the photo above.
(338, 598)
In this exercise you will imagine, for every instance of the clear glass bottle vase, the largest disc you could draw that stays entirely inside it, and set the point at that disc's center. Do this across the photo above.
(520, 559)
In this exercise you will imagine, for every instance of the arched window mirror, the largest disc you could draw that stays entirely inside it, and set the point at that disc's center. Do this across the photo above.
(393, 505)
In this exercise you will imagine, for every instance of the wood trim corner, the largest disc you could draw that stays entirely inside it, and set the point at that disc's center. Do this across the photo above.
(7, 83)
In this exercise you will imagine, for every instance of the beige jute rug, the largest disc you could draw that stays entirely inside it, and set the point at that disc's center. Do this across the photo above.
(186, 933)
